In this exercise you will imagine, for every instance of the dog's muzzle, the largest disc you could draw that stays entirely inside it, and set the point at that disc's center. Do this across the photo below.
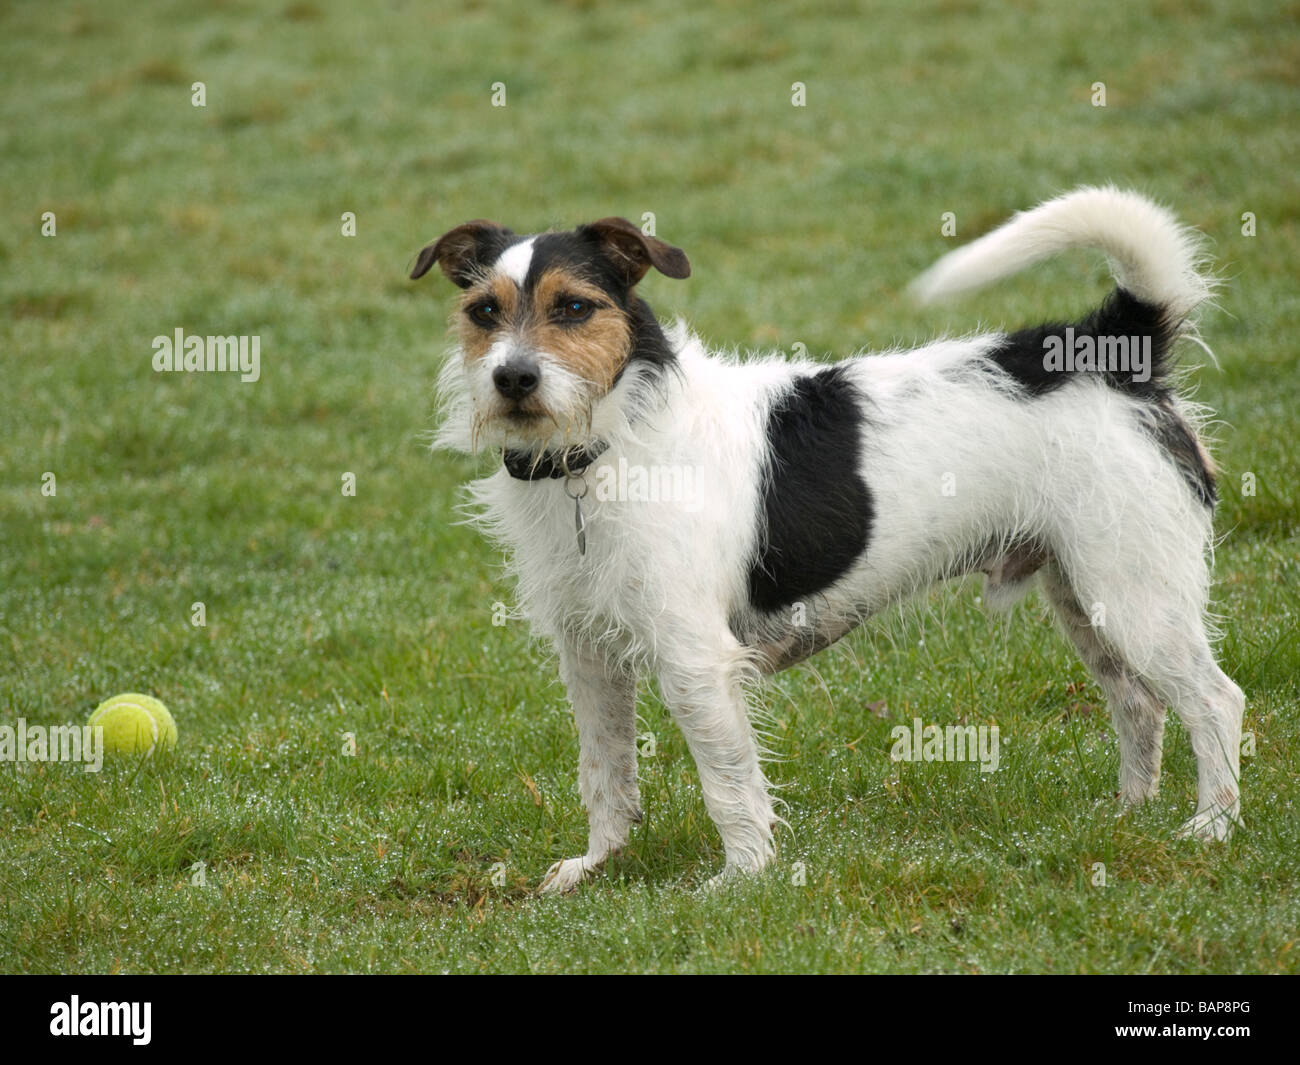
(518, 378)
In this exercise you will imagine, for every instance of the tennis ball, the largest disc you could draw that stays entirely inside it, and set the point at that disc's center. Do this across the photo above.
(134, 724)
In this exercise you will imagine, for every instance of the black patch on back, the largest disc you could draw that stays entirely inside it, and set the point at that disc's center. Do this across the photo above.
(1178, 441)
(817, 510)
(1020, 355)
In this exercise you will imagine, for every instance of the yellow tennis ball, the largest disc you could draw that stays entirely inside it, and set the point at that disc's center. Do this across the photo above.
(134, 724)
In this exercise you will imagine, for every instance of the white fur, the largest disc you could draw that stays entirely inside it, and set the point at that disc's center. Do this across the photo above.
(1151, 255)
(515, 260)
(662, 589)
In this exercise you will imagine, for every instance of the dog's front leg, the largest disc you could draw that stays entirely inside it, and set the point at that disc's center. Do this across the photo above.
(707, 701)
(604, 709)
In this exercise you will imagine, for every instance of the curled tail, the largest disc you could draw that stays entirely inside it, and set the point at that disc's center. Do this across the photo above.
(1153, 257)
(1127, 341)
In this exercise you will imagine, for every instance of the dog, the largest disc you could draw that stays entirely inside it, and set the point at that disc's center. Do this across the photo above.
(824, 492)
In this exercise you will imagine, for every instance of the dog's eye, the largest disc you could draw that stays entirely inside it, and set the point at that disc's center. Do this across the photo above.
(575, 310)
(485, 313)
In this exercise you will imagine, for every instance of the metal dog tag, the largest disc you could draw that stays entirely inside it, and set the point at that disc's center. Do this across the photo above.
(579, 520)
(580, 524)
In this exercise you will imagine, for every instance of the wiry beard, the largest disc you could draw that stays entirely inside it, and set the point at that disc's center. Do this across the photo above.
(573, 426)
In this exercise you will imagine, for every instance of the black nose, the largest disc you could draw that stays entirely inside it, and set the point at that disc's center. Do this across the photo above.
(517, 378)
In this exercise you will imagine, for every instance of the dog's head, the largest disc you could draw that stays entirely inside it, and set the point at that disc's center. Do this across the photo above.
(548, 324)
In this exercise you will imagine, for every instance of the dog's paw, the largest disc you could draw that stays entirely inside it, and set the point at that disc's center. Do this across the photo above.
(729, 877)
(564, 876)
(1213, 825)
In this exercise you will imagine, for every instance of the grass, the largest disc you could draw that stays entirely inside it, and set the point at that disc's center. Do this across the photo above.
(371, 614)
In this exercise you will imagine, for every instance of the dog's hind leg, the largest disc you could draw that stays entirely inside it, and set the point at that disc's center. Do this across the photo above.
(1211, 707)
(604, 710)
(1148, 648)
(1137, 713)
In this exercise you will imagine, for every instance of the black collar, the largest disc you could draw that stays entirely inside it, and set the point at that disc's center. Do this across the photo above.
(570, 462)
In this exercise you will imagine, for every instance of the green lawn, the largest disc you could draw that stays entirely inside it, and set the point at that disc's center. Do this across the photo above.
(372, 614)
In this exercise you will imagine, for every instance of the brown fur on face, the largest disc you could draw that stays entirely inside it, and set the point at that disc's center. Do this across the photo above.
(475, 340)
(594, 349)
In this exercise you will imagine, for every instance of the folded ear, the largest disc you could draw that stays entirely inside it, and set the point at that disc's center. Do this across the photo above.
(463, 250)
(633, 253)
